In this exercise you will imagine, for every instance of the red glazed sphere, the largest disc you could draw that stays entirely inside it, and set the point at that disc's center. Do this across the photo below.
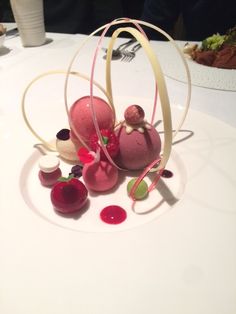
(69, 196)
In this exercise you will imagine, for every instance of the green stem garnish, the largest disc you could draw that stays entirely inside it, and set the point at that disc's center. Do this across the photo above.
(105, 140)
(66, 179)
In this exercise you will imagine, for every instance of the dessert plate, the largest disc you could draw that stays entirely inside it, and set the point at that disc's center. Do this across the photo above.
(201, 75)
(168, 192)
(194, 161)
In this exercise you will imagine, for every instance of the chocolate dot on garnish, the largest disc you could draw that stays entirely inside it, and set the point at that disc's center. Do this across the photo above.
(63, 135)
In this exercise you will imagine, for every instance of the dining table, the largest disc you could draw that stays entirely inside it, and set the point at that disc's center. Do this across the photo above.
(178, 256)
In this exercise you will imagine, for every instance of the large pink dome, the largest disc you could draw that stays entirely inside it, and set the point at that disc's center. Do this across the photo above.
(138, 150)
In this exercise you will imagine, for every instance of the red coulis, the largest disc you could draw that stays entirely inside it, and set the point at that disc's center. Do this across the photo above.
(113, 214)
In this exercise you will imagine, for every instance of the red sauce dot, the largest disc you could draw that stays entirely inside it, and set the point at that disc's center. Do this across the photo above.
(167, 173)
(113, 215)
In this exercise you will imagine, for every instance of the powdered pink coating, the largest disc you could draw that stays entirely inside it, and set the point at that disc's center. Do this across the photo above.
(100, 176)
(81, 116)
(134, 114)
(49, 179)
(138, 150)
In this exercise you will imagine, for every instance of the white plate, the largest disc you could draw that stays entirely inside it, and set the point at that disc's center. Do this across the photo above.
(37, 198)
(42, 111)
(191, 155)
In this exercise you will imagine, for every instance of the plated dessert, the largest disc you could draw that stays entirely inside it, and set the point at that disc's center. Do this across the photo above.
(102, 147)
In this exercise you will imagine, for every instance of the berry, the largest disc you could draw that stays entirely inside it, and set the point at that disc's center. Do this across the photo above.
(76, 171)
(69, 195)
(110, 140)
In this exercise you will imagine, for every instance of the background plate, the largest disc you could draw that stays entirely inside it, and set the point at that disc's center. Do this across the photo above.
(201, 75)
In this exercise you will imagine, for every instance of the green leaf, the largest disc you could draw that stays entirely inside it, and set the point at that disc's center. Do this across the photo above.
(105, 140)
(66, 179)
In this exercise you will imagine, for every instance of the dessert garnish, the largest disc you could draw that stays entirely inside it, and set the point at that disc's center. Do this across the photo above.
(167, 173)
(65, 146)
(109, 140)
(137, 193)
(113, 214)
(86, 156)
(63, 134)
(49, 170)
(100, 176)
(134, 114)
(134, 119)
(69, 195)
(76, 171)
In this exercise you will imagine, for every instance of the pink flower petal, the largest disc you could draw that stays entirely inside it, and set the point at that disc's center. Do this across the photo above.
(85, 155)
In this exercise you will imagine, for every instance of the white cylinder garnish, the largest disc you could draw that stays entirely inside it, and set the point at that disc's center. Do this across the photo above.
(49, 163)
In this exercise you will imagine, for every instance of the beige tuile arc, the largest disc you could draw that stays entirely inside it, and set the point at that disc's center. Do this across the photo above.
(166, 112)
